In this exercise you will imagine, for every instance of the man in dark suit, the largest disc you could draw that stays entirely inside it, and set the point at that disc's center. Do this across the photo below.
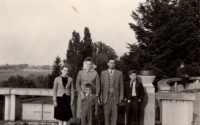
(134, 94)
(112, 92)
(181, 73)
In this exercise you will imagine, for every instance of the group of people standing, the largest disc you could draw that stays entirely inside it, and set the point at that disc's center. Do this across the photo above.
(108, 89)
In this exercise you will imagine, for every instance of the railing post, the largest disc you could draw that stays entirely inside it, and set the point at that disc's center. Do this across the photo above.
(14, 107)
(7, 107)
(147, 111)
(176, 108)
(175, 87)
(196, 112)
(197, 84)
(147, 107)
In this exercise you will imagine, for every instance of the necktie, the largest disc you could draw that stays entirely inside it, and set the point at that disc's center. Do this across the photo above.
(131, 84)
(133, 88)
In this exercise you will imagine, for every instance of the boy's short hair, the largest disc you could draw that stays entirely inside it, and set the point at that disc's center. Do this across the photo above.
(88, 85)
(133, 71)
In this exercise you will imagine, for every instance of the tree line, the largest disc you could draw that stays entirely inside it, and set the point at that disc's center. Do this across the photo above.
(19, 66)
(31, 81)
(23, 66)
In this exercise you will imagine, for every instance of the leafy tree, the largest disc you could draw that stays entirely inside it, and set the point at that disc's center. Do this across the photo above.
(101, 53)
(56, 71)
(29, 84)
(167, 33)
(18, 82)
(40, 81)
(136, 59)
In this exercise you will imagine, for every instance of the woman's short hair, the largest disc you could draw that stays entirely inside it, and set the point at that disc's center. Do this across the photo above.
(89, 59)
(64, 66)
(132, 71)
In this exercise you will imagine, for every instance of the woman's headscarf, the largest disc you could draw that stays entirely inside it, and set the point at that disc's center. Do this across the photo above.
(92, 67)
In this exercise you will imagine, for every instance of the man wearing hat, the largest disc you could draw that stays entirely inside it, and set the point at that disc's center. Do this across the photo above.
(133, 97)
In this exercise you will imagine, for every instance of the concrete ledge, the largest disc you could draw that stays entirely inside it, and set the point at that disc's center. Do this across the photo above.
(194, 78)
(176, 96)
(163, 85)
(5, 91)
(32, 91)
(28, 122)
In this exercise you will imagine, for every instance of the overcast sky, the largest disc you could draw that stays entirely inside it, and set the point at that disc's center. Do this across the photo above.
(36, 31)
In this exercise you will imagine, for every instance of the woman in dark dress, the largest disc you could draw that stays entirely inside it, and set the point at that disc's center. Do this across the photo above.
(63, 96)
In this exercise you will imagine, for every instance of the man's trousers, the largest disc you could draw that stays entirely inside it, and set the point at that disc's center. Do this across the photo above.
(110, 111)
(132, 108)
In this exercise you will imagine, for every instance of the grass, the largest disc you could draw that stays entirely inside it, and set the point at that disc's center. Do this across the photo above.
(5, 74)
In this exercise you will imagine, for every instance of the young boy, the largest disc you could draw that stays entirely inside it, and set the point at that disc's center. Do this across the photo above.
(133, 96)
(88, 104)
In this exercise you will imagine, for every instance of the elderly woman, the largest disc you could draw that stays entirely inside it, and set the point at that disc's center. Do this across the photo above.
(87, 75)
(63, 96)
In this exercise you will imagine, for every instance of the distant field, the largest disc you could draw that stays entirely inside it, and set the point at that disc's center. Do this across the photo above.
(5, 74)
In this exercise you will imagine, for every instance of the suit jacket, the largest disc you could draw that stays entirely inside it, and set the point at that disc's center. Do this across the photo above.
(90, 100)
(59, 89)
(118, 86)
(181, 72)
(139, 89)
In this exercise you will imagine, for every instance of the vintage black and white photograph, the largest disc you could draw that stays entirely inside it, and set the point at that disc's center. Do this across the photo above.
(99, 62)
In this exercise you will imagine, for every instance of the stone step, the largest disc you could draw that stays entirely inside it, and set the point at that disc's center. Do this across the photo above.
(28, 123)
(51, 123)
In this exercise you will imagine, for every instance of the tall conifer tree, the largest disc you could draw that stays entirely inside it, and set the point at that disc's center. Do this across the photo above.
(87, 45)
(55, 71)
(74, 56)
